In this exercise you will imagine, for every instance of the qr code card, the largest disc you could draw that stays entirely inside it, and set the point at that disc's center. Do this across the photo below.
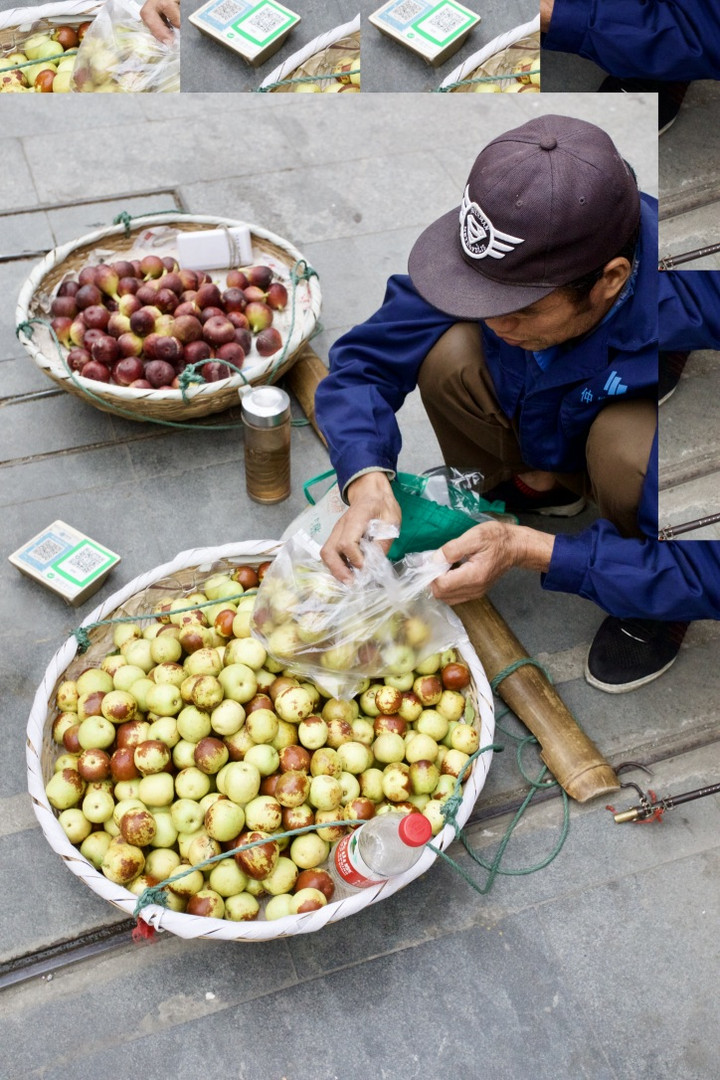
(432, 29)
(253, 28)
(65, 560)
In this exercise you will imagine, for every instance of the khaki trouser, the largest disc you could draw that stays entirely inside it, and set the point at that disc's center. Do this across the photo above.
(473, 432)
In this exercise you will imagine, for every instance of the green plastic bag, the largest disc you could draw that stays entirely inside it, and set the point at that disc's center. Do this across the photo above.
(426, 525)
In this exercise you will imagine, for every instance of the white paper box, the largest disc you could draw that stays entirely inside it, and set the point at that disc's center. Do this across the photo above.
(215, 249)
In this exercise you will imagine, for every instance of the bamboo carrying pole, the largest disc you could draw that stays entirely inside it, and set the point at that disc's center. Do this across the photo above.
(572, 758)
(302, 381)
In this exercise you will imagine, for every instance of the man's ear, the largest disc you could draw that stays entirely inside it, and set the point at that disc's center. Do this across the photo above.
(615, 274)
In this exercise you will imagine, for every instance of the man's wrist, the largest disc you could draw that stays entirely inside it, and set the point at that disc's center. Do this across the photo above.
(368, 480)
(532, 549)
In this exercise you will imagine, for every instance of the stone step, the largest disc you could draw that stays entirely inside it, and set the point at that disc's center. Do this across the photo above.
(689, 424)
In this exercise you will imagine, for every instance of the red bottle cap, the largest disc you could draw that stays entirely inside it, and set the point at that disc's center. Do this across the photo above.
(415, 829)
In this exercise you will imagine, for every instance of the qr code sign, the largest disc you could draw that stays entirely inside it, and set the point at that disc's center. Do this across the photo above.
(407, 11)
(227, 11)
(84, 562)
(47, 551)
(263, 23)
(444, 22)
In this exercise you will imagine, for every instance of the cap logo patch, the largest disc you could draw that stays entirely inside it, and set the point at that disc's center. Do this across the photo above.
(478, 236)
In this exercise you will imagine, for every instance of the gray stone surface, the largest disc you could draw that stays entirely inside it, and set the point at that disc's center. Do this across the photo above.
(208, 65)
(603, 965)
(689, 448)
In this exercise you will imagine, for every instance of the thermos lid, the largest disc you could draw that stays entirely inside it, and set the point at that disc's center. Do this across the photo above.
(265, 406)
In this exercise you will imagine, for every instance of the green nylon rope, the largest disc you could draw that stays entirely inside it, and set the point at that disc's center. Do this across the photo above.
(494, 867)
(82, 636)
(480, 79)
(45, 60)
(300, 79)
(156, 894)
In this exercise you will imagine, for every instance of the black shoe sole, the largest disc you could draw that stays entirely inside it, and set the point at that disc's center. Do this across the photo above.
(625, 688)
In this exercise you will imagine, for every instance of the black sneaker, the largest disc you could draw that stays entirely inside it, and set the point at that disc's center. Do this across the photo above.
(670, 367)
(670, 95)
(521, 499)
(628, 653)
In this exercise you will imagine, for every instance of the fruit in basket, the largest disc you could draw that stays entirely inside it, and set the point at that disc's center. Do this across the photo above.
(269, 341)
(62, 83)
(137, 306)
(66, 37)
(12, 81)
(43, 81)
(41, 46)
(173, 785)
(347, 70)
(526, 70)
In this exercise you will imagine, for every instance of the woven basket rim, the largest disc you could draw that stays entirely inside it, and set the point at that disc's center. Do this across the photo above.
(322, 41)
(180, 923)
(122, 396)
(502, 41)
(64, 10)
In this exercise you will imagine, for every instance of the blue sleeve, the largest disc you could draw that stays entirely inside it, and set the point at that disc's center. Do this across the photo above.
(652, 39)
(650, 579)
(639, 578)
(372, 369)
(689, 309)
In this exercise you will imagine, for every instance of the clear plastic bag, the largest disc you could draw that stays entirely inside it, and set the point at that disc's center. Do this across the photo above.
(119, 54)
(384, 623)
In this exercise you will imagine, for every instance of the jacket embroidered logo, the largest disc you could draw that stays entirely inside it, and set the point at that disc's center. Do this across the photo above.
(478, 236)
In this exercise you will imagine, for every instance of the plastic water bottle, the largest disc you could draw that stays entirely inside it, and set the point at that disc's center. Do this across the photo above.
(380, 848)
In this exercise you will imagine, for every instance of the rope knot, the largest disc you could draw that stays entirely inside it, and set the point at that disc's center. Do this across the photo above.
(25, 328)
(83, 639)
(153, 894)
(449, 809)
(124, 219)
(302, 271)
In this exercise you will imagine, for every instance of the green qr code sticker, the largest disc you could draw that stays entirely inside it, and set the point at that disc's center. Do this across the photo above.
(264, 23)
(444, 23)
(84, 563)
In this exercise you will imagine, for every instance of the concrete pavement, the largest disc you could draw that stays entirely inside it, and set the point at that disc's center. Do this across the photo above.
(603, 964)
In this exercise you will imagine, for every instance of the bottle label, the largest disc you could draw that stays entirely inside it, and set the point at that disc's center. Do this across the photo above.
(350, 866)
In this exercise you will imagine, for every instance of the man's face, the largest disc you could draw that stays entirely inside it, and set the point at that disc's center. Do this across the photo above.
(556, 318)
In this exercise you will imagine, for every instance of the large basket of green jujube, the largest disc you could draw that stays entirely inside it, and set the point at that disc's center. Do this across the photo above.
(163, 740)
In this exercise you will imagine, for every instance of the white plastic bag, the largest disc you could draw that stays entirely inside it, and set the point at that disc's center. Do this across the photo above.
(384, 623)
(119, 54)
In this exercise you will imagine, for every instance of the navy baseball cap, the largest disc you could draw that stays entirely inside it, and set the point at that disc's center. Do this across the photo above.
(545, 203)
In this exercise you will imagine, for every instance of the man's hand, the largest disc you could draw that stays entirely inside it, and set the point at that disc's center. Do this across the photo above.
(370, 496)
(546, 11)
(486, 552)
(156, 14)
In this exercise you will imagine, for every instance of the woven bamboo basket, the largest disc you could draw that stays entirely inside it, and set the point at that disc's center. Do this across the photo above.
(296, 323)
(17, 24)
(317, 58)
(497, 58)
(185, 573)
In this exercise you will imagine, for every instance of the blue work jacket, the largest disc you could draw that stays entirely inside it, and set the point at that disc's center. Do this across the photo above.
(646, 579)
(375, 365)
(678, 579)
(652, 39)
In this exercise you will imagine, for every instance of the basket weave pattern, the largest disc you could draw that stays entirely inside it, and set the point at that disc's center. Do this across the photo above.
(188, 570)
